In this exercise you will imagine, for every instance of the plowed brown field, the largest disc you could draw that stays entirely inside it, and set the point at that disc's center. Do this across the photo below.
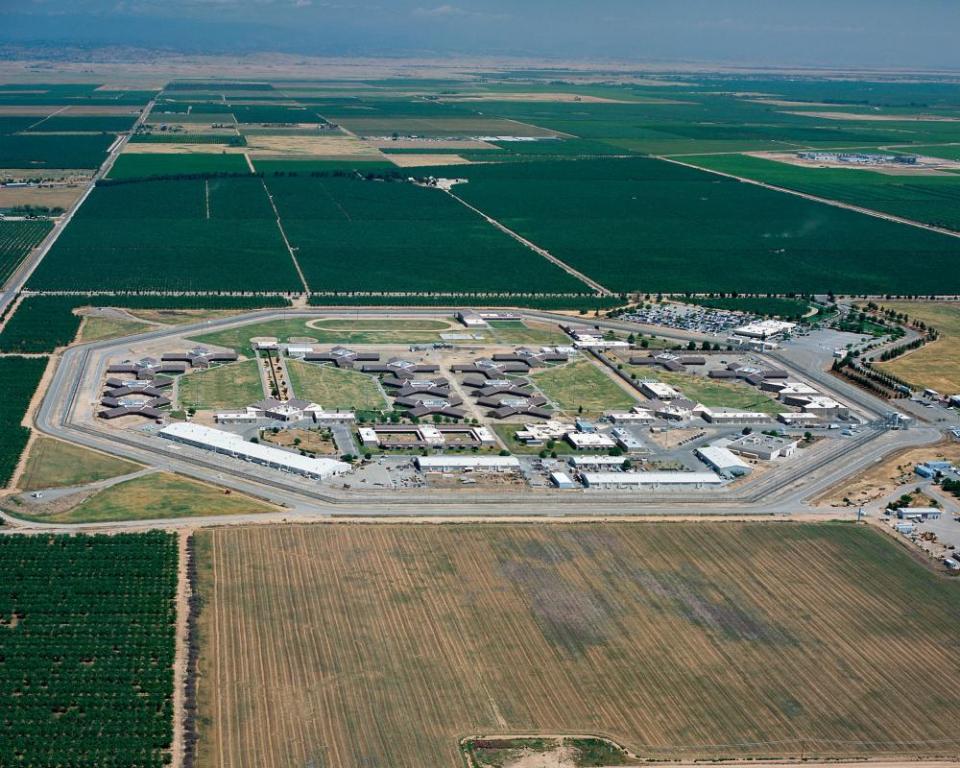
(382, 645)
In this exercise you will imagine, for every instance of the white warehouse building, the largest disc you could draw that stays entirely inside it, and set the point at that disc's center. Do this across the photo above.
(649, 479)
(465, 463)
(230, 444)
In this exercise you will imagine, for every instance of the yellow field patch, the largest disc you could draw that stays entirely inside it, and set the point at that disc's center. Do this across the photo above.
(937, 364)
(43, 197)
(174, 148)
(428, 144)
(313, 146)
(874, 118)
(415, 161)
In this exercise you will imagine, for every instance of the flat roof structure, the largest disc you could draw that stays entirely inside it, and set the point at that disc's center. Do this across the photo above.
(765, 447)
(723, 460)
(234, 445)
(463, 463)
(341, 357)
(658, 390)
(649, 479)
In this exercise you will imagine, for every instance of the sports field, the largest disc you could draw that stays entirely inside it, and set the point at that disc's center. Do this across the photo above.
(334, 388)
(318, 642)
(937, 364)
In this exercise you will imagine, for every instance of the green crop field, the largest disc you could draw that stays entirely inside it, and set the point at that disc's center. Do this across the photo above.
(198, 234)
(140, 165)
(234, 385)
(41, 324)
(37, 150)
(17, 239)
(87, 646)
(352, 235)
(643, 224)
(929, 199)
(19, 377)
(85, 124)
(680, 641)
(334, 388)
(175, 137)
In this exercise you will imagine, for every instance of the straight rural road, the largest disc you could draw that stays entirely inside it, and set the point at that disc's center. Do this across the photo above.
(22, 274)
(817, 199)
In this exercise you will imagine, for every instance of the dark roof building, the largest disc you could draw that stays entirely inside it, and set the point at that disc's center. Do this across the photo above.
(400, 368)
(342, 357)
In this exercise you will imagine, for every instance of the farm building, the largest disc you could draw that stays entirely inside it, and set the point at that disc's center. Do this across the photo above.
(230, 444)
(625, 480)
(467, 463)
(723, 460)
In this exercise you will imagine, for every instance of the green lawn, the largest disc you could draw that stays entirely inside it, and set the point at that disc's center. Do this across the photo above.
(54, 464)
(226, 386)
(334, 388)
(720, 394)
(582, 385)
(520, 333)
(155, 497)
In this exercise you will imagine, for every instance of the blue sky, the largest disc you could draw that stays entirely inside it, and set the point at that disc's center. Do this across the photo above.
(885, 33)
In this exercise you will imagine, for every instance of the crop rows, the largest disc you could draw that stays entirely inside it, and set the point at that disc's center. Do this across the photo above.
(672, 639)
(354, 235)
(178, 235)
(17, 239)
(644, 224)
(86, 650)
(19, 377)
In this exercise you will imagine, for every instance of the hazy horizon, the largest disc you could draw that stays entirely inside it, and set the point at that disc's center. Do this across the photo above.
(843, 33)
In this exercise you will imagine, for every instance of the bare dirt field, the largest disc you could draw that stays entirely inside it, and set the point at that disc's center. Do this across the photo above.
(427, 144)
(877, 118)
(383, 645)
(49, 197)
(885, 477)
(414, 161)
(174, 148)
(313, 146)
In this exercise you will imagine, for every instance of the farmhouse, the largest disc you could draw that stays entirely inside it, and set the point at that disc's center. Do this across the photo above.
(723, 461)
(230, 444)
(633, 480)
(467, 463)
(764, 447)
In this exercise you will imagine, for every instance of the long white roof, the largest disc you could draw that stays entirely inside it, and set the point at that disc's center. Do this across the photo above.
(466, 462)
(651, 478)
(219, 440)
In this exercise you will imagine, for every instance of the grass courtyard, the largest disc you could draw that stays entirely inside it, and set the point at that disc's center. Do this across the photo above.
(334, 388)
(581, 387)
(226, 386)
